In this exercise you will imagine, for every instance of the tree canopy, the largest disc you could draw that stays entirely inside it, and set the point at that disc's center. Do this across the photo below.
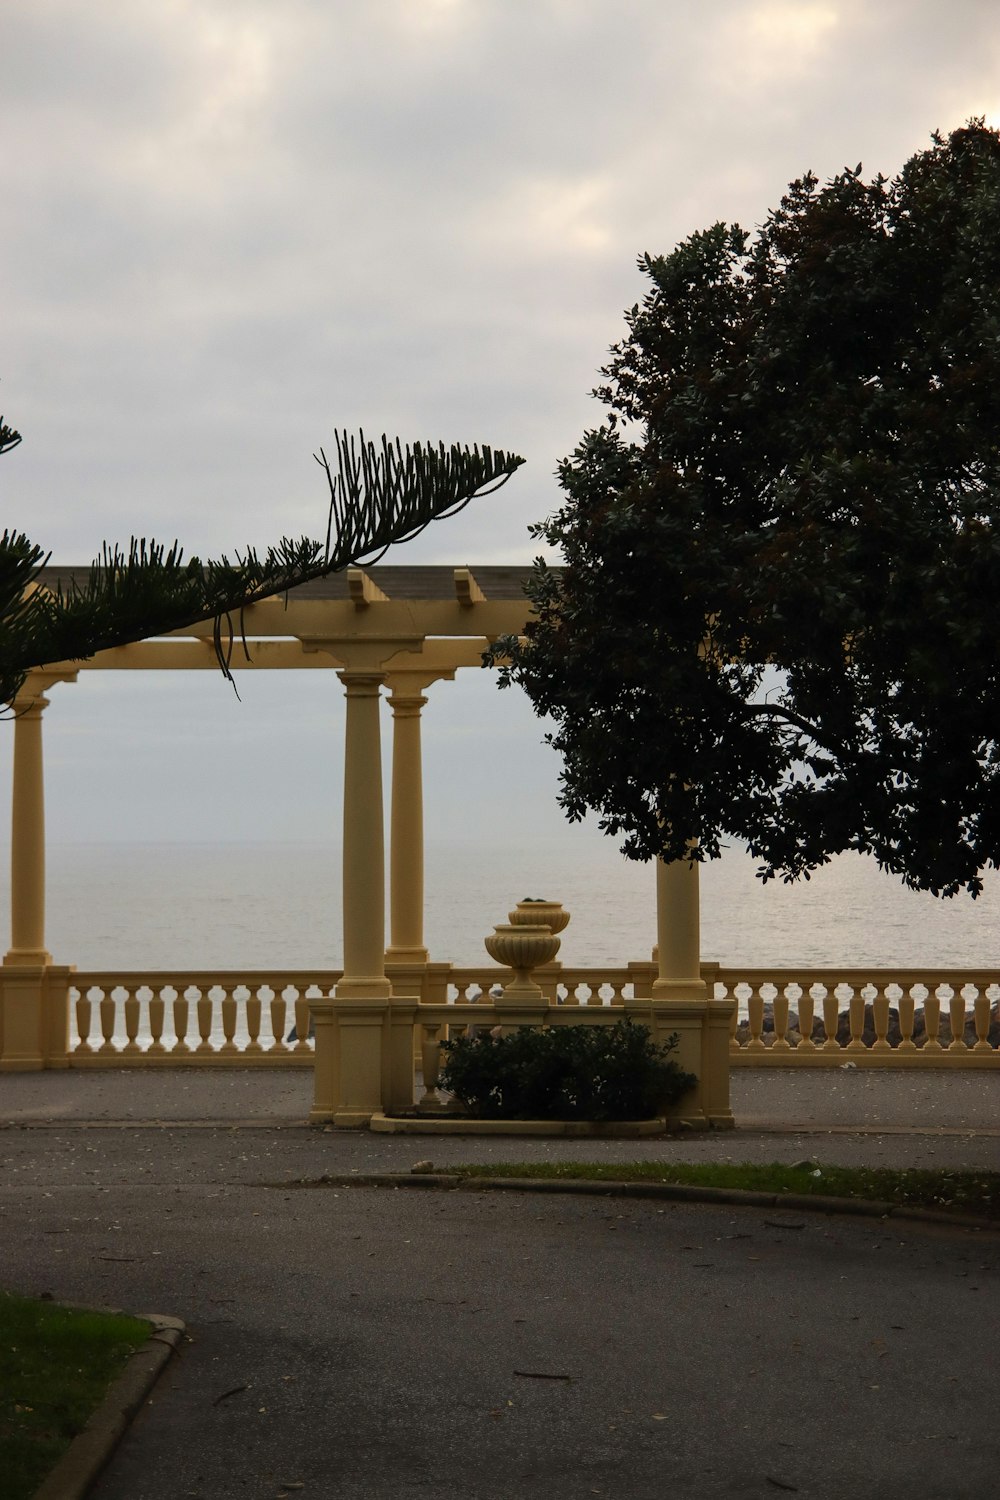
(378, 496)
(776, 622)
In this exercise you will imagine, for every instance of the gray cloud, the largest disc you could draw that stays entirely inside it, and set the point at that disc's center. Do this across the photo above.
(229, 228)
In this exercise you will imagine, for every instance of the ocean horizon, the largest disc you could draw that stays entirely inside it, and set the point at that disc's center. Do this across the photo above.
(278, 904)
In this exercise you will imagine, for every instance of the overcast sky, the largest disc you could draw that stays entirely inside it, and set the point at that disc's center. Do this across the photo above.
(230, 227)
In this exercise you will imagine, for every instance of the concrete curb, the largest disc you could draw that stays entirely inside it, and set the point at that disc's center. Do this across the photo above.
(90, 1450)
(683, 1192)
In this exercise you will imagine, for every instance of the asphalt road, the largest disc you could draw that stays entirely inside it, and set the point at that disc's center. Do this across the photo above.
(359, 1342)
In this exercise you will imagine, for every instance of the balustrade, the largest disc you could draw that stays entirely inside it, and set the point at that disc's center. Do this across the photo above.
(194, 1018)
(866, 1017)
(784, 1017)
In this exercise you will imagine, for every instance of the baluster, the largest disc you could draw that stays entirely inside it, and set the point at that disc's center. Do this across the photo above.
(253, 1012)
(131, 1048)
(204, 1007)
(617, 995)
(856, 1016)
(181, 1013)
(907, 1008)
(734, 1022)
(229, 1009)
(932, 1020)
(278, 1011)
(779, 1007)
(807, 1010)
(981, 1015)
(303, 1018)
(956, 1021)
(430, 1054)
(880, 1015)
(157, 1017)
(107, 1013)
(83, 1022)
(570, 994)
(755, 1009)
(831, 1018)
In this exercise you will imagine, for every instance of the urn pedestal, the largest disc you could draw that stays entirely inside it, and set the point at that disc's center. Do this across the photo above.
(522, 947)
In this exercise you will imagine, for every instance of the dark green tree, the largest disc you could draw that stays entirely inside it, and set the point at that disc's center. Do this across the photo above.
(776, 618)
(378, 496)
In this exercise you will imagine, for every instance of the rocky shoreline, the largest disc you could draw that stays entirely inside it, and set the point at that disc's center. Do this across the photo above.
(894, 1035)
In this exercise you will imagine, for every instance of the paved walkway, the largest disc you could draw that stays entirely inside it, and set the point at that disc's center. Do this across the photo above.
(363, 1344)
(848, 1115)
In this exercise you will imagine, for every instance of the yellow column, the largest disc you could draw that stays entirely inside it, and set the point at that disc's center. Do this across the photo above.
(681, 1001)
(678, 932)
(351, 1073)
(406, 847)
(34, 1021)
(364, 842)
(27, 835)
(364, 1032)
(678, 999)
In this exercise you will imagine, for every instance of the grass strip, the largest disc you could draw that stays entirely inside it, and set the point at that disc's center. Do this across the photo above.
(56, 1364)
(956, 1192)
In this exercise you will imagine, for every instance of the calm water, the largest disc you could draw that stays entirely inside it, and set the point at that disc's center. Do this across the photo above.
(270, 905)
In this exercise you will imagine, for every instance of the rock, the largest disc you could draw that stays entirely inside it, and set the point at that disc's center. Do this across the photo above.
(894, 1034)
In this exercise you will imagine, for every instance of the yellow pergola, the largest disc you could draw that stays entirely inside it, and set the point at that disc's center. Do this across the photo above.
(391, 629)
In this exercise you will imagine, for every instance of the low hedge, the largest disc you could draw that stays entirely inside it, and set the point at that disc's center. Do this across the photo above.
(565, 1073)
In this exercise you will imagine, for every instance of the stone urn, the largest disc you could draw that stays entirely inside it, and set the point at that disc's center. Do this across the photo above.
(530, 913)
(522, 948)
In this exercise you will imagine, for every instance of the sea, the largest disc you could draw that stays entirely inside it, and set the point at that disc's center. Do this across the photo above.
(273, 905)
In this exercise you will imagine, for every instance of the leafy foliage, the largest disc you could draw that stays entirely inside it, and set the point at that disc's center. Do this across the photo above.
(782, 550)
(378, 496)
(565, 1073)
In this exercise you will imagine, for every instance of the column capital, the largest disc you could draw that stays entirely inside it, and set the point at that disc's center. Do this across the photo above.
(361, 683)
(405, 705)
(31, 700)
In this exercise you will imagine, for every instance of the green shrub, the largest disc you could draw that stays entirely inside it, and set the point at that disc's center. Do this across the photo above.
(565, 1073)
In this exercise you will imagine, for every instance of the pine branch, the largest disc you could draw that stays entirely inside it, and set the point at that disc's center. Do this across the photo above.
(378, 496)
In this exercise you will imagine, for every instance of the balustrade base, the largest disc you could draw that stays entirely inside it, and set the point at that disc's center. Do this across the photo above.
(383, 1124)
(841, 1058)
(176, 1060)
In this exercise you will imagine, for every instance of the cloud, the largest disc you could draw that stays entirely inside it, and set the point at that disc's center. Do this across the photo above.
(229, 228)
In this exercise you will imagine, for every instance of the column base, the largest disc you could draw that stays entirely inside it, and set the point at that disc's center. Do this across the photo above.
(363, 987)
(33, 1017)
(679, 989)
(352, 1119)
(26, 958)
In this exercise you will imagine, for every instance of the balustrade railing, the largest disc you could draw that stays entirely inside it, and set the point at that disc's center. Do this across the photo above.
(785, 1017)
(869, 1017)
(559, 985)
(193, 1017)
